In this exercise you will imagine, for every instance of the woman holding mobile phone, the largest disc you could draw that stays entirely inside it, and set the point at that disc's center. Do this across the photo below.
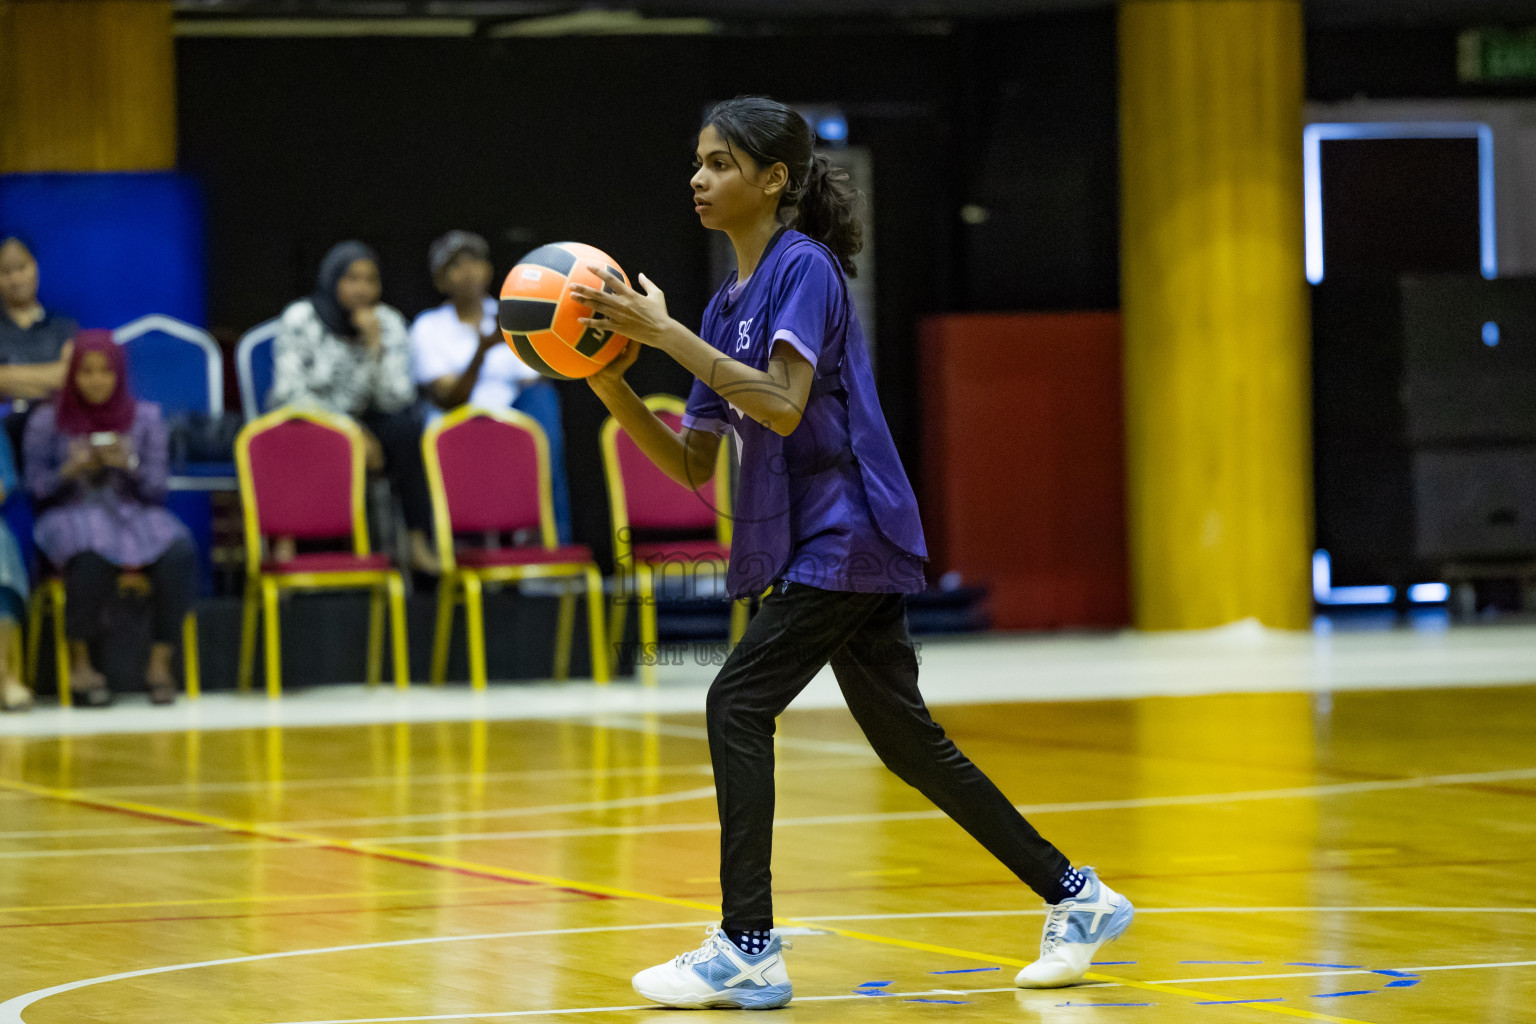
(96, 464)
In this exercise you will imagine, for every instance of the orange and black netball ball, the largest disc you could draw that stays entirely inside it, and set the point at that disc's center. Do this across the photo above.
(540, 318)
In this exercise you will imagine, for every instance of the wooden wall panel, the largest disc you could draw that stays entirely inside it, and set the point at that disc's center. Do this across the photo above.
(1023, 463)
(1214, 298)
(87, 85)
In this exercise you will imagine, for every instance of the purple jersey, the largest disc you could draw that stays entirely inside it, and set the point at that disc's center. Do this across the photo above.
(829, 505)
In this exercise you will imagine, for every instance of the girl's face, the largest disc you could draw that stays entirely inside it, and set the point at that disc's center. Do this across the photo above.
(95, 379)
(729, 188)
(466, 277)
(359, 287)
(18, 276)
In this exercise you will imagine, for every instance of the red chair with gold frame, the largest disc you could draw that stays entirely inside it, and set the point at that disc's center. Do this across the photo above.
(302, 475)
(641, 496)
(489, 474)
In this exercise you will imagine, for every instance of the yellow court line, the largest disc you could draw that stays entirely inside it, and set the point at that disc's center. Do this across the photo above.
(224, 900)
(511, 874)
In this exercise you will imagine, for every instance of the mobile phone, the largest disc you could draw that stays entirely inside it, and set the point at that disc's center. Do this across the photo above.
(102, 438)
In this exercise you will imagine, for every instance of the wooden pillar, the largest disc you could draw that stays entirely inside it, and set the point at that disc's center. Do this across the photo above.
(1215, 306)
(87, 85)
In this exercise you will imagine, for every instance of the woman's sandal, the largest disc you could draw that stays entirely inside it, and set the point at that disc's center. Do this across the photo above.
(162, 693)
(95, 697)
(15, 697)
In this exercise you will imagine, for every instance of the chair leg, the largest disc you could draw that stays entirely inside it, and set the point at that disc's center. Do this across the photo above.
(739, 610)
(55, 592)
(474, 628)
(565, 625)
(616, 623)
(34, 636)
(649, 647)
(442, 636)
(191, 663)
(595, 638)
(397, 631)
(18, 655)
(273, 634)
(375, 668)
(250, 614)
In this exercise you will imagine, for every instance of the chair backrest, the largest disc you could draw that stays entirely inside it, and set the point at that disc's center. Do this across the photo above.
(641, 496)
(488, 471)
(301, 475)
(254, 368)
(174, 364)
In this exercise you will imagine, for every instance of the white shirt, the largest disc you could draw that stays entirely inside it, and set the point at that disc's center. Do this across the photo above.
(442, 345)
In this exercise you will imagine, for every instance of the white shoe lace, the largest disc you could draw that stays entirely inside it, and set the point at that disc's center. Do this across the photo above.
(1055, 930)
(713, 943)
(709, 949)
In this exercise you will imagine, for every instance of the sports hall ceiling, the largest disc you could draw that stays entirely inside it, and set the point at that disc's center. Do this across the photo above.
(487, 14)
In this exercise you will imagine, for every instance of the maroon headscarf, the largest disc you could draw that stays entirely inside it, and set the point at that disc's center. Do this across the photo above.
(76, 416)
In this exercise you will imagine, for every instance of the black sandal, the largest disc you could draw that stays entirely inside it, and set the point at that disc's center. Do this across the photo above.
(95, 697)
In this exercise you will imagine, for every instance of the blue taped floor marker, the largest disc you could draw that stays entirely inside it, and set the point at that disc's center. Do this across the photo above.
(1335, 995)
(968, 970)
(948, 1002)
(1236, 1002)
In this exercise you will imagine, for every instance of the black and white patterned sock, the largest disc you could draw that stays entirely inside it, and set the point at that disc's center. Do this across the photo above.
(1072, 882)
(751, 941)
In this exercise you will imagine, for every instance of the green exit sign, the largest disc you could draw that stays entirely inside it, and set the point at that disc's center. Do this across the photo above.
(1496, 55)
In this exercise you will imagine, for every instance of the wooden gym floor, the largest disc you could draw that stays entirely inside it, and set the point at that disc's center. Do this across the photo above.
(1341, 856)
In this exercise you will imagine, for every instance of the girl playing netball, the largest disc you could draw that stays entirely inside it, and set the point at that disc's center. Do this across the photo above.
(826, 518)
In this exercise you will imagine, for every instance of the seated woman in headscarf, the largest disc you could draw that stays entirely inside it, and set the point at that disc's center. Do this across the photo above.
(96, 462)
(344, 351)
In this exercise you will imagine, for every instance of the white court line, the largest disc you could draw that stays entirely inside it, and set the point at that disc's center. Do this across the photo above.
(694, 732)
(1180, 910)
(897, 995)
(131, 851)
(649, 800)
(1186, 800)
(393, 780)
(10, 1010)
(1340, 973)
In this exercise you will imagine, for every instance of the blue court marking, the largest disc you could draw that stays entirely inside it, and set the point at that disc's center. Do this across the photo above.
(873, 984)
(1221, 961)
(1104, 963)
(1236, 1002)
(1394, 974)
(1342, 967)
(1084, 1005)
(1336, 995)
(947, 1002)
(967, 970)
(1405, 983)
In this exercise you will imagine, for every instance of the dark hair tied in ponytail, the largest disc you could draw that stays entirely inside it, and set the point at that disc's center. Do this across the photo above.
(820, 199)
(827, 211)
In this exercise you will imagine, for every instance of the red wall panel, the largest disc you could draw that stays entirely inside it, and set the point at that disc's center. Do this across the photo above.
(1024, 463)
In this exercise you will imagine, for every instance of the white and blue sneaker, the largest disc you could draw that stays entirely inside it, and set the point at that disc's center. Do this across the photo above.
(719, 974)
(1074, 930)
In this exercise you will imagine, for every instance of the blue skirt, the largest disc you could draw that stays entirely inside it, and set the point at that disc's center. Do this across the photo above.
(13, 577)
